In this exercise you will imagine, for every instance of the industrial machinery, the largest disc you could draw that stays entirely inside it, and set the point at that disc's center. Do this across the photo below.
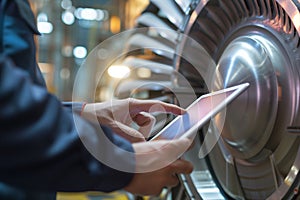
(191, 47)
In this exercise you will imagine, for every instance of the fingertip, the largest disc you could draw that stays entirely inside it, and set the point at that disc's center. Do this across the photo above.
(182, 110)
(186, 167)
(190, 168)
(178, 110)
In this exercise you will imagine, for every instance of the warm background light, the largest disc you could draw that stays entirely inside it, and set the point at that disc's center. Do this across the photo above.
(115, 24)
(118, 71)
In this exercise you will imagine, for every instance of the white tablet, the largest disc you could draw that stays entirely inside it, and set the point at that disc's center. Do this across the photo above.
(200, 112)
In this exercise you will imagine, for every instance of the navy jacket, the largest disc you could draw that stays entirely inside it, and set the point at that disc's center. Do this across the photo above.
(40, 148)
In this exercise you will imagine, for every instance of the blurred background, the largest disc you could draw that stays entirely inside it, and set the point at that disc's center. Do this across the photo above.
(71, 29)
(262, 162)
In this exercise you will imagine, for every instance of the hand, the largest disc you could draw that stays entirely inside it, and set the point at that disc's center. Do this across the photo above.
(120, 114)
(152, 183)
(157, 164)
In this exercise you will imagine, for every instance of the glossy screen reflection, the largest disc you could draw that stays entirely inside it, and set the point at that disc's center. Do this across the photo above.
(199, 113)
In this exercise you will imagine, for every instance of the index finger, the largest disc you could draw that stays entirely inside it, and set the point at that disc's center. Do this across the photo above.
(138, 106)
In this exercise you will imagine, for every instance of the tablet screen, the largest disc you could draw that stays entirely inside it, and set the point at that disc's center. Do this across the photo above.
(200, 112)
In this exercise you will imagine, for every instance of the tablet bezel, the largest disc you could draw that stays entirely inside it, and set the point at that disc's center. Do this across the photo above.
(190, 133)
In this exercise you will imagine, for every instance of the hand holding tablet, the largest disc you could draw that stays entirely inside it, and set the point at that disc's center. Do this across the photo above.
(200, 112)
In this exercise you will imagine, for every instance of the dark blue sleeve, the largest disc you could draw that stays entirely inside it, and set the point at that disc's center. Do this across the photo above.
(41, 146)
(75, 106)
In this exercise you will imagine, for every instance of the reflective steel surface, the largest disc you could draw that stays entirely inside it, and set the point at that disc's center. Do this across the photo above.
(255, 42)
(218, 44)
(252, 116)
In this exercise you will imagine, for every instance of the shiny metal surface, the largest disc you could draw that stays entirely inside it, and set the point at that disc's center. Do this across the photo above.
(151, 20)
(184, 5)
(155, 67)
(171, 11)
(220, 43)
(257, 42)
(292, 11)
(246, 59)
(139, 41)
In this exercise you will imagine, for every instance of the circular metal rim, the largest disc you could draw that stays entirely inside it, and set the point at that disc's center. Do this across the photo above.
(292, 11)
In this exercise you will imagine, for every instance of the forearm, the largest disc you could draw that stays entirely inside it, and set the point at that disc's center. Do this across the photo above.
(40, 147)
